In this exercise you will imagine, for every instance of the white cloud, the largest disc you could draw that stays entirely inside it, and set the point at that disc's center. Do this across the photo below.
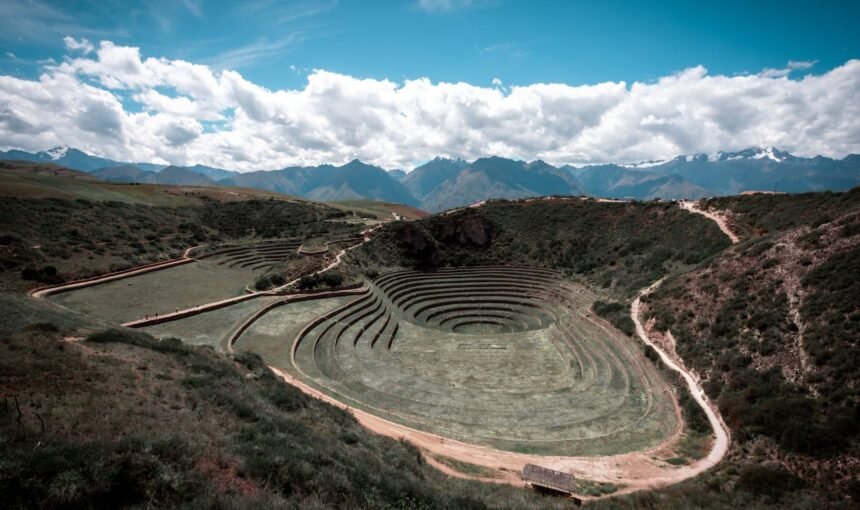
(116, 103)
(793, 65)
(84, 46)
(801, 64)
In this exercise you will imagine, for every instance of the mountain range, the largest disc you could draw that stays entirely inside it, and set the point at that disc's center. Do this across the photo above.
(445, 183)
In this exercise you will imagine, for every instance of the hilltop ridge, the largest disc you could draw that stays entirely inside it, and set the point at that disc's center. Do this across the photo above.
(444, 183)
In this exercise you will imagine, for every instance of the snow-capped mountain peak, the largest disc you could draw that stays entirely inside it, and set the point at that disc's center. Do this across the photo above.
(646, 164)
(57, 152)
(769, 153)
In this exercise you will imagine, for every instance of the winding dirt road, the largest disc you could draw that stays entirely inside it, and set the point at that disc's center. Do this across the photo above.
(719, 219)
(721, 432)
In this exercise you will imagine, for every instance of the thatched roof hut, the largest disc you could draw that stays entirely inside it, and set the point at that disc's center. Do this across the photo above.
(548, 478)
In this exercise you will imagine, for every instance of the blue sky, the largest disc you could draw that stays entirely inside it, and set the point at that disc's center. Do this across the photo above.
(519, 42)
(263, 84)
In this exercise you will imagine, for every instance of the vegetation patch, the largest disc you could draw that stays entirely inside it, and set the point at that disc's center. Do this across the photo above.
(623, 247)
(238, 437)
(592, 488)
(617, 314)
(467, 468)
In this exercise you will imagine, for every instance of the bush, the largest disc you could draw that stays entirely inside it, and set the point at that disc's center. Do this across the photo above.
(47, 274)
(309, 282)
(139, 339)
(134, 472)
(768, 481)
(269, 281)
(617, 314)
(652, 354)
(332, 279)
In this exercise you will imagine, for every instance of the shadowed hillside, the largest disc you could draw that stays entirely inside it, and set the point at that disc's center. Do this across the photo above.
(772, 326)
(619, 246)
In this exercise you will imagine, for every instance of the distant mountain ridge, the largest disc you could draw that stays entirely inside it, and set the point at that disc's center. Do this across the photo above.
(352, 181)
(496, 177)
(73, 158)
(446, 183)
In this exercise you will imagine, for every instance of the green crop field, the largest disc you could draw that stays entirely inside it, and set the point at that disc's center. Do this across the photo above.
(272, 335)
(212, 327)
(503, 357)
(222, 274)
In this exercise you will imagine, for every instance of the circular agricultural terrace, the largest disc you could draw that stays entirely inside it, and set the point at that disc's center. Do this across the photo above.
(503, 357)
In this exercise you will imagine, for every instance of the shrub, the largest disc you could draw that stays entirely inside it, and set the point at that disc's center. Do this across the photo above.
(617, 314)
(263, 283)
(332, 279)
(130, 473)
(768, 481)
(47, 274)
(139, 339)
(652, 354)
(309, 282)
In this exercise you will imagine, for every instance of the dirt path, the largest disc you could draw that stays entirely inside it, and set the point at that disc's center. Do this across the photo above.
(365, 234)
(721, 432)
(717, 218)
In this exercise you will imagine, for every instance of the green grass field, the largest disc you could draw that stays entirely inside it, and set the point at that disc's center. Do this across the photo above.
(222, 274)
(158, 292)
(209, 328)
(502, 357)
(272, 335)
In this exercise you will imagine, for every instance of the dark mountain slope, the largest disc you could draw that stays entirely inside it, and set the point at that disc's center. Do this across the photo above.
(352, 181)
(216, 174)
(125, 173)
(174, 175)
(496, 177)
(613, 181)
(766, 169)
(427, 177)
(72, 158)
(620, 246)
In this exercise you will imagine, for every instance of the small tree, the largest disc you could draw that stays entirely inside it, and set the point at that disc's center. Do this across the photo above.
(309, 282)
(332, 279)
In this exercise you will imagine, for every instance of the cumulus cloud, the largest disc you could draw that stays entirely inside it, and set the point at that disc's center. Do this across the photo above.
(114, 102)
(83, 45)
